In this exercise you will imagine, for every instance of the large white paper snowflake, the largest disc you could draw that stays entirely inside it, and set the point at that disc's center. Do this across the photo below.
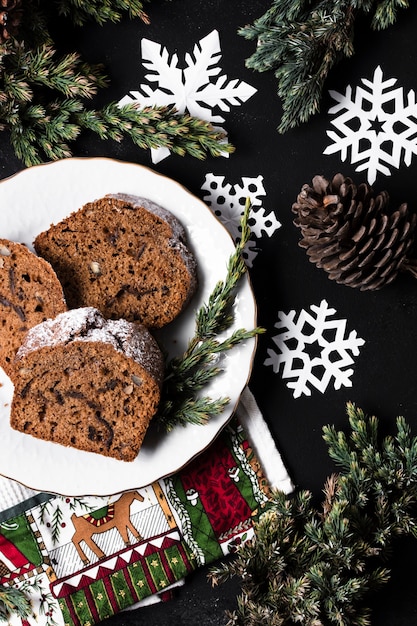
(313, 350)
(376, 125)
(227, 201)
(198, 88)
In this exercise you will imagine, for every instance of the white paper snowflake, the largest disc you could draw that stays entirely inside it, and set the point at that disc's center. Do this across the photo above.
(198, 88)
(227, 202)
(313, 349)
(376, 125)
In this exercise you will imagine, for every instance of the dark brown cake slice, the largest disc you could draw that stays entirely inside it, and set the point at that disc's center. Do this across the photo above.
(30, 292)
(87, 382)
(125, 256)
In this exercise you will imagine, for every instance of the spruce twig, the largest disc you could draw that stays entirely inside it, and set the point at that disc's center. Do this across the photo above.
(187, 374)
(155, 127)
(301, 41)
(44, 97)
(13, 601)
(316, 566)
(101, 11)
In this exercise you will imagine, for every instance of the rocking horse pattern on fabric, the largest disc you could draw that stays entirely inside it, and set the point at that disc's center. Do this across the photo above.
(116, 515)
(83, 560)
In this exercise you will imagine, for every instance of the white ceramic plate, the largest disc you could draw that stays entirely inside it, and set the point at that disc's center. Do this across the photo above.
(29, 202)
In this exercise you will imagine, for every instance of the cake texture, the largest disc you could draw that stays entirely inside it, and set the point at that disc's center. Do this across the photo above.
(30, 293)
(87, 382)
(125, 256)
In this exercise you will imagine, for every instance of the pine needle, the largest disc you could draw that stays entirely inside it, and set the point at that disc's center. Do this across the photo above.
(318, 565)
(13, 601)
(187, 374)
(101, 11)
(44, 97)
(301, 42)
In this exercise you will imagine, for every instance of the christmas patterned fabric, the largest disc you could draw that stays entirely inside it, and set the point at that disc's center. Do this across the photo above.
(80, 560)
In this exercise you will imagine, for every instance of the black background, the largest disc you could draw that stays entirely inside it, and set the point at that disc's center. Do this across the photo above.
(384, 379)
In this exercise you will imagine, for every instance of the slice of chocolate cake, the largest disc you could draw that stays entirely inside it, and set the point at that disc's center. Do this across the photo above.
(125, 256)
(87, 382)
(30, 293)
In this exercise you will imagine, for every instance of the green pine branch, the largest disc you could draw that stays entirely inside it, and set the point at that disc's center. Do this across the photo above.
(155, 127)
(187, 374)
(101, 11)
(44, 97)
(301, 41)
(13, 601)
(317, 565)
(16, 601)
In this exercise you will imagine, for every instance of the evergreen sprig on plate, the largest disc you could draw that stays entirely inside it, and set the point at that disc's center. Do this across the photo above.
(187, 374)
(301, 41)
(315, 566)
(44, 97)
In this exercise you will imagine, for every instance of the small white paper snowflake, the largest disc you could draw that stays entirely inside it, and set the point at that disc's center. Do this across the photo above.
(376, 125)
(198, 88)
(227, 202)
(313, 349)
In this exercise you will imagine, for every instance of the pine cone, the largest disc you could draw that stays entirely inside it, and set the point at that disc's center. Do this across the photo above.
(10, 17)
(348, 231)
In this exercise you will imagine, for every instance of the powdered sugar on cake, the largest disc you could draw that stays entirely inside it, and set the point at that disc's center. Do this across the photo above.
(86, 324)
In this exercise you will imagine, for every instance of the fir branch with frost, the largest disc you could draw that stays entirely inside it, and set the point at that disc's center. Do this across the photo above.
(316, 566)
(44, 97)
(301, 41)
(188, 373)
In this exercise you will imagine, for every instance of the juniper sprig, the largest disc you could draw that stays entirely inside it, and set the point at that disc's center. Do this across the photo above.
(45, 98)
(317, 565)
(101, 11)
(13, 601)
(301, 41)
(188, 373)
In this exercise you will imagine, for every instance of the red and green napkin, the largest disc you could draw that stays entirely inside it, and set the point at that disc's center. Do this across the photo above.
(82, 559)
